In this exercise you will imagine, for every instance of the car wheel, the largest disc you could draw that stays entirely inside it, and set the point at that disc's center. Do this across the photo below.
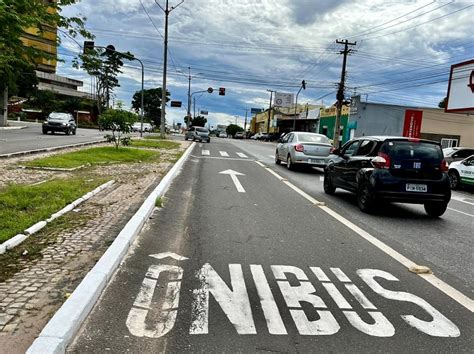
(289, 163)
(68, 131)
(74, 131)
(45, 131)
(208, 140)
(365, 198)
(327, 184)
(277, 158)
(186, 138)
(453, 179)
(435, 209)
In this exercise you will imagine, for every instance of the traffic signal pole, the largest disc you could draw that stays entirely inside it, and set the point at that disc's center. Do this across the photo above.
(269, 110)
(340, 91)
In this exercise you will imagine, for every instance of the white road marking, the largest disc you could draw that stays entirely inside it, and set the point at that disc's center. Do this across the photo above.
(321, 178)
(340, 275)
(205, 152)
(242, 155)
(234, 303)
(169, 254)
(337, 296)
(319, 274)
(200, 145)
(271, 156)
(224, 154)
(220, 158)
(453, 293)
(461, 212)
(260, 164)
(462, 199)
(233, 174)
(360, 297)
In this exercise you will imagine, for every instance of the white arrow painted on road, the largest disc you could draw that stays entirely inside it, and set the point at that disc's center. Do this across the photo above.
(169, 254)
(233, 174)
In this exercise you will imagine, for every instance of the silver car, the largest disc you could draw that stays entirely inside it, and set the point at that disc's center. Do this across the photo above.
(198, 133)
(454, 154)
(303, 148)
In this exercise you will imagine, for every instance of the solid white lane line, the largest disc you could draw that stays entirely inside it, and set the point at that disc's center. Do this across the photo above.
(260, 164)
(224, 154)
(205, 152)
(242, 155)
(461, 212)
(454, 294)
(461, 199)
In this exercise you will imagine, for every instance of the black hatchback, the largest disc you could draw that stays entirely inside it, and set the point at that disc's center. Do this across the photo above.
(391, 169)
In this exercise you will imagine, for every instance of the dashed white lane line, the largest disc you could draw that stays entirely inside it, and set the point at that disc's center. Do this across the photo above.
(205, 152)
(454, 294)
(461, 212)
(224, 154)
(242, 155)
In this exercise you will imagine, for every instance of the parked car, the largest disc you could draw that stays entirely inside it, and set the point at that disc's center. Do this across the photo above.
(239, 135)
(198, 133)
(461, 172)
(137, 126)
(60, 122)
(222, 135)
(298, 148)
(391, 169)
(457, 153)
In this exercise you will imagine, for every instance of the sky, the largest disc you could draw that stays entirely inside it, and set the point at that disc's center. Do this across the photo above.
(403, 51)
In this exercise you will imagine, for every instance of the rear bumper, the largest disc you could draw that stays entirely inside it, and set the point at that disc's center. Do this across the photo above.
(55, 128)
(317, 161)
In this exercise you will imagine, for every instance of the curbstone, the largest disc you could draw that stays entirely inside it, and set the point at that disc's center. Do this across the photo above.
(43, 345)
(14, 241)
(3, 248)
(112, 257)
(35, 228)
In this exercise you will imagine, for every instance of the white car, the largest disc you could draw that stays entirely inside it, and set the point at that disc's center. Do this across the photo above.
(461, 172)
(136, 127)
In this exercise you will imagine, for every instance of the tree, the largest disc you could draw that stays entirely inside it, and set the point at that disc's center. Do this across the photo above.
(199, 121)
(15, 17)
(442, 104)
(105, 65)
(119, 122)
(151, 104)
(233, 128)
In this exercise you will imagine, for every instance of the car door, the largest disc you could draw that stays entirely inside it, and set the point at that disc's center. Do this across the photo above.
(359, 159)
(466, 171)
(341, 167)
(283, 151)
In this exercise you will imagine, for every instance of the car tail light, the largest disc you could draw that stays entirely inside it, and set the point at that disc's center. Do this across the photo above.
(332, 149)
(299, 148)
(381, 161)
(444, 166)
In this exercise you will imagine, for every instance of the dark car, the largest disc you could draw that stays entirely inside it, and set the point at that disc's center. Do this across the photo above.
(60, 122)
(391, 169)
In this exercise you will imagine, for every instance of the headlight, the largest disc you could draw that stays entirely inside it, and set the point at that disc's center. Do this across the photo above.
(65, 124)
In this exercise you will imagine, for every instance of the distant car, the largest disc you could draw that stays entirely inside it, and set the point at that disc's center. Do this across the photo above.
(60, 122)
(457, 153)
(239, 135)
(198, 133)
(260, 136)
(461, 172)
(137, 126)
(298, 148)
(222, 135)
(391, 169)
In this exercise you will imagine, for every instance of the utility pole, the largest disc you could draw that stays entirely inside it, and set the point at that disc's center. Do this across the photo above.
(303, 86)
(245, 123)
(189, 96)
(269, 110)
(194, 110)
(340, 91)
(167, 10)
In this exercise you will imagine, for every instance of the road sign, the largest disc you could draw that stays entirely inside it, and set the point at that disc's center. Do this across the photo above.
(255, 111)
(205, 113)
(176, 103)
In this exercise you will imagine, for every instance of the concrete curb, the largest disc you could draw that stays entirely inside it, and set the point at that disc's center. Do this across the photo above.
(61, 329)
(16, 240)
(54, 148)
(13, 128)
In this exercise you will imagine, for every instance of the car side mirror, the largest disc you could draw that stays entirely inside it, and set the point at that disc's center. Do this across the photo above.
(336, 152)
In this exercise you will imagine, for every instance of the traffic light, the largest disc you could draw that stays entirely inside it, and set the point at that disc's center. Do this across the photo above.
(303, 84)
(210, 90)
(88, 45)
(221, 91)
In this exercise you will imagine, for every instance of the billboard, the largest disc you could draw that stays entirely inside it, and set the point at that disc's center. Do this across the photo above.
(255, 111)
(283, 99)
(461, 88)
(412, 124)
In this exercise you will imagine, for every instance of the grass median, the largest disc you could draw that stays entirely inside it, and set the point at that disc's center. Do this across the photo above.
(94, 156)
(21, 206)
(156, 144)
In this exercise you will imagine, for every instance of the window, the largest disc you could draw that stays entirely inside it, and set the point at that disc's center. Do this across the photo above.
(313, 138)
(290, 138)
(350, 148)
(365, 148)
(447, 143)
(325, 130)
(462, 154)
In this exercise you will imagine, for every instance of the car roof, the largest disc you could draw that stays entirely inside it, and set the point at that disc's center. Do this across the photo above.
(390, 137)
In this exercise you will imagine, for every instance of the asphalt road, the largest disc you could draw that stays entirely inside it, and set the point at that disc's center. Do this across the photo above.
(31, 138)
(258, 266)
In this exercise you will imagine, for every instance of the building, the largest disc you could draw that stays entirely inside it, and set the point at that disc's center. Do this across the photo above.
(282, 119)
(450, 129)
(327, 123)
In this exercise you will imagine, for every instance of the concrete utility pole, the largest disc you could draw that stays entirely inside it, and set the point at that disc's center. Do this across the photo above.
(340, 91)
(269, 110)
(4, 101)
(167, 10)
(245, 123)
(189, 96)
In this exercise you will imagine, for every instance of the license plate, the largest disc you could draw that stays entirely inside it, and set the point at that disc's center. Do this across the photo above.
(317, 162)
(416, 188)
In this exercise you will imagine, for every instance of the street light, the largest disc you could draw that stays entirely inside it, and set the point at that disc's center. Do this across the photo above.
(209, 90)
(303, 86)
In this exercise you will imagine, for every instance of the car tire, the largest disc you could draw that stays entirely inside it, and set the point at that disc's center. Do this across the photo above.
(289, 163)
(185, 138)
(68, 131)
(74, 131)
(327, 184)
(45, 131)
(434, 209)
(208, 141)
(453, 179)
(277, 158)
(365, 198)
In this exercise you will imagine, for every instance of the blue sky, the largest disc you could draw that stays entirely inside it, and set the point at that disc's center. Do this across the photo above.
(403, 54)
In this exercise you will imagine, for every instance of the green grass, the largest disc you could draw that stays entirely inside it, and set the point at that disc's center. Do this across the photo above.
(21, 206)
(94, 156)
(154, 137)
(156, 144)
(159, 202)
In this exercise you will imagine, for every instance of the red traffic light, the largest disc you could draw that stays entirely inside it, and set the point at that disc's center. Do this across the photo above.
(221, 91)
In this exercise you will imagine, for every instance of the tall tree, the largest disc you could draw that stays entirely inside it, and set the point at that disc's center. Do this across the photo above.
(15, 17)
(151, 104)
(199, 121)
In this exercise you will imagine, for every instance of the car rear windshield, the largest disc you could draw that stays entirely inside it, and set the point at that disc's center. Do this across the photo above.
(59, 116)
(202, 130)
(313, 138)
(407, 150)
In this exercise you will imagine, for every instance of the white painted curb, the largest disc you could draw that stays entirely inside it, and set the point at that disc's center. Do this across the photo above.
(16, 240)
(61, 329)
